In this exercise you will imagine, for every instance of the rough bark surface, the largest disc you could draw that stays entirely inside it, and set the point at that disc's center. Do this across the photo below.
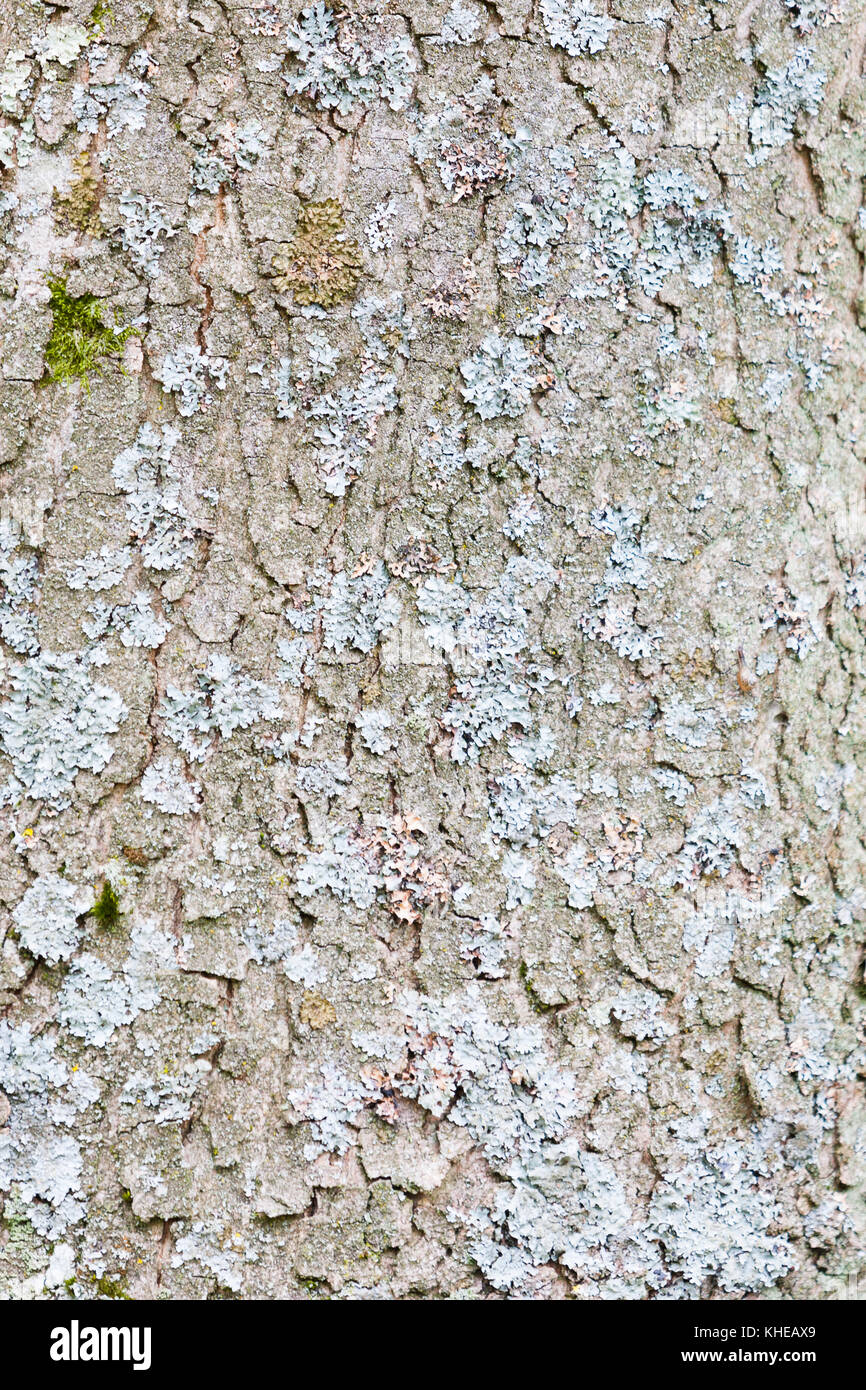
(432, 595)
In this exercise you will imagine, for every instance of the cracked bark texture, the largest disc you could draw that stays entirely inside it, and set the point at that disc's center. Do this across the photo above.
(432, 730)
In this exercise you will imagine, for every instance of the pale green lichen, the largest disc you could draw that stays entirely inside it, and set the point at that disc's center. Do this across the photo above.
(322, 264)
(78, 209)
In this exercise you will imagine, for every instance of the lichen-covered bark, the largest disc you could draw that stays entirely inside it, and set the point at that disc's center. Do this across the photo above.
(432, 601)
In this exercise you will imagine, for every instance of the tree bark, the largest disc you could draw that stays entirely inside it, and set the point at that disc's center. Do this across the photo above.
(433, 576)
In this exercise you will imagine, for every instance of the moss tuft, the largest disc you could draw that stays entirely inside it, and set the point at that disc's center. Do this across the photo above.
(110, 1288)
(100, 16)
(323, 263)
(536, 1003)
(106, 909)
(78, 336)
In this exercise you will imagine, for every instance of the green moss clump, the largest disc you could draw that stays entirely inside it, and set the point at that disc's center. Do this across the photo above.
(79, 208)
(78, 336)
(323, 263)
(532, 996)
(106, 909)
(100, 15)
(110, 1288)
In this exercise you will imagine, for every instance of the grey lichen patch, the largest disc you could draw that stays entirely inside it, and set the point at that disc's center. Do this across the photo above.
(47, 918)
(577, 27)
(322, 264)
(56, 721)
(499, 377)
(348, 61)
